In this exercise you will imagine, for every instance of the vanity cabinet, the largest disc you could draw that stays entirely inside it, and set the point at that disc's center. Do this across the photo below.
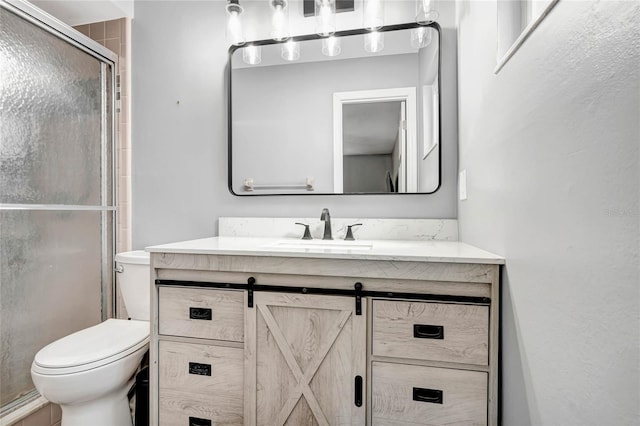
(268, 340)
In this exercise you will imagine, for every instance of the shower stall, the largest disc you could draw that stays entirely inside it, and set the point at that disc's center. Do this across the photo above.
(57, 192)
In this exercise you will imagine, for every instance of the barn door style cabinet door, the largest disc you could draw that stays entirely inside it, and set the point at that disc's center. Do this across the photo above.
(305, 360)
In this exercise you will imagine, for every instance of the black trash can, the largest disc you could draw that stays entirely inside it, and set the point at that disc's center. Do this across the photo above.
(142, 397)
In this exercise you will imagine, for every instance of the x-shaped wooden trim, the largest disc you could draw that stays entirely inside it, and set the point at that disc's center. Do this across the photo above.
(303, 378)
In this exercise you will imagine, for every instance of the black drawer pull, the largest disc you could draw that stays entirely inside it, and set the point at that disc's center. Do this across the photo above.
(358, 392)
(200, 313)
(195, 421)
(424, 331)
(433, 396)
(199, 369)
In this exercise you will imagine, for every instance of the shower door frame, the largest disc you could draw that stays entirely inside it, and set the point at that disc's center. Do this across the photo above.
(107, 58)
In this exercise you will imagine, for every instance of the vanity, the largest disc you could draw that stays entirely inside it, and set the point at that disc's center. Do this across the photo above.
(274, 331)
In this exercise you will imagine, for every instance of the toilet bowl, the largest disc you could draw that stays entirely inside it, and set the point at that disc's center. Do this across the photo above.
(89, 373)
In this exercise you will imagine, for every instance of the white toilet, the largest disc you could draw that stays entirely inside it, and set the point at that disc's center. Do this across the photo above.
(90, 372)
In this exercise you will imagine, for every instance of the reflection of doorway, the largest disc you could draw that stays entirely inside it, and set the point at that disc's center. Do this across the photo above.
(375, 141)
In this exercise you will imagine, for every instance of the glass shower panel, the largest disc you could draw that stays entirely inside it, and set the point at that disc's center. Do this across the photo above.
(56, 194)
(50, 270)
(51, 109)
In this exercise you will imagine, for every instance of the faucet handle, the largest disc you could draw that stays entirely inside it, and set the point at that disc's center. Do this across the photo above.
(349, 236)
(307, 233)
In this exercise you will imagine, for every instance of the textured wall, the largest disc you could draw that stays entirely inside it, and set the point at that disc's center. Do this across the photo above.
(179, 150)
(550, 146)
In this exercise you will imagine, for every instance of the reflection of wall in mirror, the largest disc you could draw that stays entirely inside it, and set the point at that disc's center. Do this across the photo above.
(428, 126)
(274, 105)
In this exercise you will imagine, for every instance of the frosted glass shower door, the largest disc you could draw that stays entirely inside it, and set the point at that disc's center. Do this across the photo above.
(56, 192)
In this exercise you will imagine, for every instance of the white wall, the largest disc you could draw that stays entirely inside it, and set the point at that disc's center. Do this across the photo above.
(179, 150)
(550, 146)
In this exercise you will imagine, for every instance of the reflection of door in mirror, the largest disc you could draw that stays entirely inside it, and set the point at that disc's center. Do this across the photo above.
(374, 135)
(373, 153)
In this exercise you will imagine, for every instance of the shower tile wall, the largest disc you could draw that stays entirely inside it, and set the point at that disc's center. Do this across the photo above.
(115, 35)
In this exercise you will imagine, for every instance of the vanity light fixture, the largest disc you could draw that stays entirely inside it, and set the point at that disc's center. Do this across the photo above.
(331, 46)
(235, 35)
(420, 37)
(291, 51)
(252, 54)
(280, 20)
(374, 42)
(325, 11)
(373, 14)
(426, 11)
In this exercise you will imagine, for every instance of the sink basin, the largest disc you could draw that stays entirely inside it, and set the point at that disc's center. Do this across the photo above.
(321, 244)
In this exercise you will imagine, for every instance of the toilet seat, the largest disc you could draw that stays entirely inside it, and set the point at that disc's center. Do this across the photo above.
(92, 347)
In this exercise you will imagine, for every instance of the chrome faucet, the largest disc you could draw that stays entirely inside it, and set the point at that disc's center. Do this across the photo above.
(326, 217)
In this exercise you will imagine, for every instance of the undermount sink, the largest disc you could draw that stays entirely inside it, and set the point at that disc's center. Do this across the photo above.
(321, 244)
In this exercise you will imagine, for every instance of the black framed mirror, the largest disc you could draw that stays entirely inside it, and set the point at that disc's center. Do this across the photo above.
(356, 113)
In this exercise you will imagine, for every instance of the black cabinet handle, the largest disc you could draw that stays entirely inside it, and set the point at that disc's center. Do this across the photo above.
(358, 392)
(199, 369)
(425, 331)
(433, 396)
(196, 421)
(200, 313)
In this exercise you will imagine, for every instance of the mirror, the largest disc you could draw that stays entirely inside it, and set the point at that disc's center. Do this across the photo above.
(358, 113)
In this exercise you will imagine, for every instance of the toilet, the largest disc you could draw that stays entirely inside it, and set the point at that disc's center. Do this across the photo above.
(89, 373)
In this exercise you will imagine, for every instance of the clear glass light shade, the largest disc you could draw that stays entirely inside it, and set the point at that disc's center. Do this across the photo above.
(373, 14)
(325, 11)
(331, 46)
(280, 20)
(421, 37)
(291, 51)
(251, 54)
(374, 42)
(235, 34)
(426, 11)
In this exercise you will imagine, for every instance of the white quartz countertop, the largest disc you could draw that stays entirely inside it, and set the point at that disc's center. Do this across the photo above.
(398, 250)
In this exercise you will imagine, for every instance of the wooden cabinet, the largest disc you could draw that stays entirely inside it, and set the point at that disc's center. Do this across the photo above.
(200, 358)
(248, 341)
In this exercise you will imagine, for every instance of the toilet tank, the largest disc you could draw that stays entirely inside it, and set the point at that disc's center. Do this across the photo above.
(133, 278)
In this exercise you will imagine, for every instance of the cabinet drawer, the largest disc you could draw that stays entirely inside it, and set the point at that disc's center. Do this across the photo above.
(201, 312)
(431, 331)
(417, 395)
(199, 384)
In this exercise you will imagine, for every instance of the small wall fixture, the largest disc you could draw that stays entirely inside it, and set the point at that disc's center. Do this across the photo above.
(426, 11)
(235, 34)
(280, 20)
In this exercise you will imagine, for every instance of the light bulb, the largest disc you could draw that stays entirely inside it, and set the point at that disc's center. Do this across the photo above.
(373, 14)
(426, 11)
(252, 54)
(325, 17)
(235, 35)
(331, 46)
(280, 20)
(291, 51)
(420, 37)
(374, 42)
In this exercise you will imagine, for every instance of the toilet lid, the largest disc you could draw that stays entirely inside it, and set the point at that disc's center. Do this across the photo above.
(93, 344)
